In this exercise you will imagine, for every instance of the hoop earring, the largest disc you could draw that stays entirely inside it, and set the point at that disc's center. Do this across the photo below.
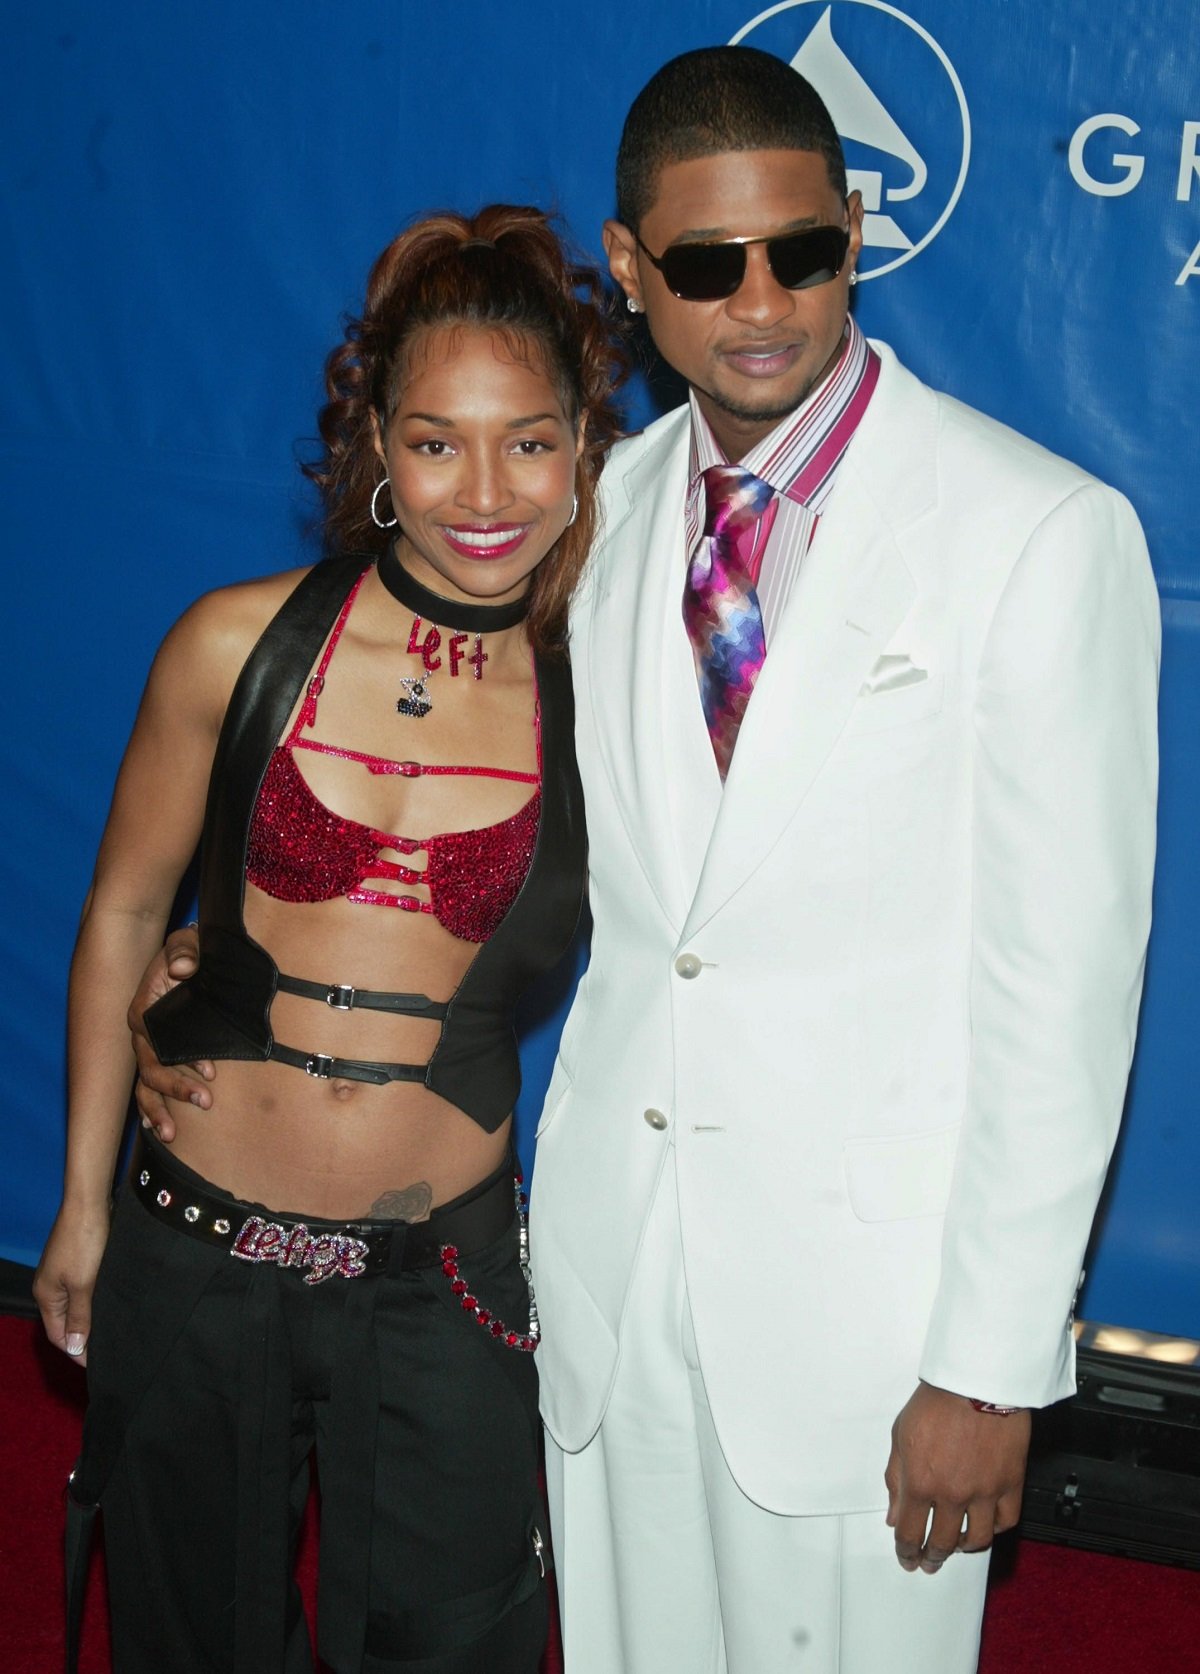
(375, 517)
(574, 510)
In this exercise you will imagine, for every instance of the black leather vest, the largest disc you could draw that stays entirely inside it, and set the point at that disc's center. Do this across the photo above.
(223, 1011)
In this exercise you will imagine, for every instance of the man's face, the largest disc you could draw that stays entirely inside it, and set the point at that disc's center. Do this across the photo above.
(751, 357)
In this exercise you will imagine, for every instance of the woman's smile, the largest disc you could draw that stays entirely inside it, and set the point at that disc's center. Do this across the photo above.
(486, 542)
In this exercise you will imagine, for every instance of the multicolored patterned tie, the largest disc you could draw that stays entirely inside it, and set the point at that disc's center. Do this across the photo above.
(720, 605)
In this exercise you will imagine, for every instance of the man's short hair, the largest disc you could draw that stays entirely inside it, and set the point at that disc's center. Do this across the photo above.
(716, 99)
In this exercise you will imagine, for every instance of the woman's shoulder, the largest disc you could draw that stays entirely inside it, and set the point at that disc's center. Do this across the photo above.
(227, 623)
(206, 648)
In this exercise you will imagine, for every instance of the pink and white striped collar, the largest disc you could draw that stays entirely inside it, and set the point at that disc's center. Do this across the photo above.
(801, 455)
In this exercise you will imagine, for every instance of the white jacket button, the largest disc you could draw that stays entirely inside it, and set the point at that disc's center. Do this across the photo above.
(687, 965)
(654, 1119)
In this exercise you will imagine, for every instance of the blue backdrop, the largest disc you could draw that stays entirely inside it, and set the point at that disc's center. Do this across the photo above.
(191, 199)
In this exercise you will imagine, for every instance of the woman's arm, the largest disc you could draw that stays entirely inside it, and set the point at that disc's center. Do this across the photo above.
(152, 831)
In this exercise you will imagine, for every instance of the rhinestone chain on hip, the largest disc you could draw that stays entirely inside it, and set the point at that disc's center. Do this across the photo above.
(528, 1342)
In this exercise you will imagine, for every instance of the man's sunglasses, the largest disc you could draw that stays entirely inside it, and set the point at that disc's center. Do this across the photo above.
(707, 272)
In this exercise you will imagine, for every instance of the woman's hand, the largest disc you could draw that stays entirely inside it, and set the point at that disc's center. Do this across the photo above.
(157, 1082)
(66, 1277)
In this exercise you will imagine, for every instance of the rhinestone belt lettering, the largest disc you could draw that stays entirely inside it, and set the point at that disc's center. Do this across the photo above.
(324, 1254)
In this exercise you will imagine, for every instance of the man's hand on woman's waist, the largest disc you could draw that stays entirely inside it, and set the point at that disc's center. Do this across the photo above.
(176, 960)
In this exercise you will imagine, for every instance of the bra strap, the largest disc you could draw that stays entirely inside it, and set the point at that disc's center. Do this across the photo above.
(340, 997)
(307, 716)
(324, 1068)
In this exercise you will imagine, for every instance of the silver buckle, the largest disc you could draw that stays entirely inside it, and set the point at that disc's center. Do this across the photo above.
(340, 997)
(320, 1065)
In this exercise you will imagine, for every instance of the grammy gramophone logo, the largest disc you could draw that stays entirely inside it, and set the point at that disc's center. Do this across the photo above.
(898, 106)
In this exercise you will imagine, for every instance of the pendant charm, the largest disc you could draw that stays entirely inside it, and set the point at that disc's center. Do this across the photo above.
(416, 700)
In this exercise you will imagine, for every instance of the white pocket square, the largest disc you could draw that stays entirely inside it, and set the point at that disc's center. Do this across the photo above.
(892, 672)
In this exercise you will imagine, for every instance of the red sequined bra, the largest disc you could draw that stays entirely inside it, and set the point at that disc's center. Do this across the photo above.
(300, 850)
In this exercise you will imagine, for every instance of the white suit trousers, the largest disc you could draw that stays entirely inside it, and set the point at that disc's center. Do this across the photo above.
(666, 1567)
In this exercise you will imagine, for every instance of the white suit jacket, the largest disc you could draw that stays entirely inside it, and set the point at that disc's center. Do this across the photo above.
(884, 988)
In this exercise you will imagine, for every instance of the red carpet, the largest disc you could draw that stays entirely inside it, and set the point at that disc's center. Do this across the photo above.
(1050, 1611)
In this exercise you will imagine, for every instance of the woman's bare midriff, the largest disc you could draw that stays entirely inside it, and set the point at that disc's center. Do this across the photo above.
(341, 1149)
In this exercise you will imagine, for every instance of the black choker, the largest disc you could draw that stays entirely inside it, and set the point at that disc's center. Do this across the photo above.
(448, 613)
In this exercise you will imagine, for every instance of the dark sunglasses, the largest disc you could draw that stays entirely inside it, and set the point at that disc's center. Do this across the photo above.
(707, 272)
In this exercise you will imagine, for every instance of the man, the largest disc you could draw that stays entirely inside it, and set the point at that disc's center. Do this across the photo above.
(835, 1101)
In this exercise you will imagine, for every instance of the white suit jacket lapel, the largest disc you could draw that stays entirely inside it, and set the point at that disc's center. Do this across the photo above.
(854, 590)
(635, 613)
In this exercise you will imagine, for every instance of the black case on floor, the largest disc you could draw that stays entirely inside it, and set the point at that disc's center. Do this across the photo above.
(1117, 1467)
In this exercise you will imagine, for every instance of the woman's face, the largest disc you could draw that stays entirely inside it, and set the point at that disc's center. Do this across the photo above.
(481, 457)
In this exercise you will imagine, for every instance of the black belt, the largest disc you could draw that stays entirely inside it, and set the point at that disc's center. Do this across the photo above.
(341, 997)
(321, 1065)
(325, 1249)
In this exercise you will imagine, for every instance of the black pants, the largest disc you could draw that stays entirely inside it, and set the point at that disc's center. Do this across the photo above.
(220, 1378)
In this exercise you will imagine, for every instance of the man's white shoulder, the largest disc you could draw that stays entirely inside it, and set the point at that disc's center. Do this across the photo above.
(628, 471)
(998, 495)
(630, 453)
(1003, 465)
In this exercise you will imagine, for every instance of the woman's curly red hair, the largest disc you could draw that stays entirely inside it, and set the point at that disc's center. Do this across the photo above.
(504, 269)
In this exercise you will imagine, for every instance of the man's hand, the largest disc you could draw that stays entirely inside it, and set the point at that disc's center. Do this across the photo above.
(157, 1082)
(958, 1465)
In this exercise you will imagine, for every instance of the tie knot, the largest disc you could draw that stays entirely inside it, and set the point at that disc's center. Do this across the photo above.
(734, 499)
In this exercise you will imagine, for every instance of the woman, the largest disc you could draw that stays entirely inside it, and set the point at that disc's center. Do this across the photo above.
(379, 751)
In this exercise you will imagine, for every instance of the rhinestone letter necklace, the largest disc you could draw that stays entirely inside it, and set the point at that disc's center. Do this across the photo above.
(467, 619)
